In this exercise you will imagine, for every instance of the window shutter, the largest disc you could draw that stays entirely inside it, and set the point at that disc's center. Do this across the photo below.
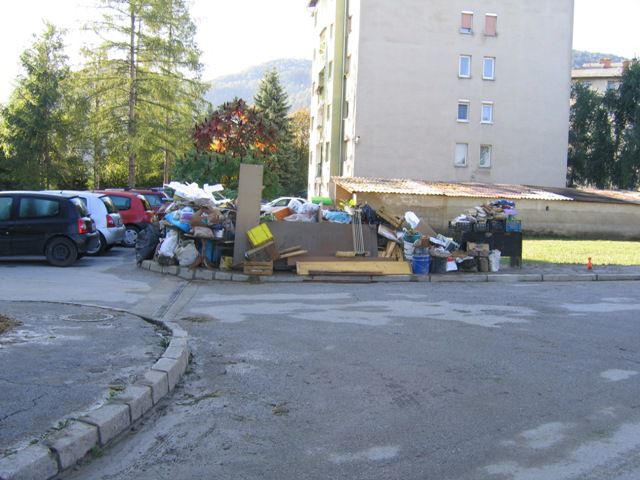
(491, 25)
(467, 21)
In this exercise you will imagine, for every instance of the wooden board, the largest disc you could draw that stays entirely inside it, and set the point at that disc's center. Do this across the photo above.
(258, 268)
(330, 258)
(371, 267)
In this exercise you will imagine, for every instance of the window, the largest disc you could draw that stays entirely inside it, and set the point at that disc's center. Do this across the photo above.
(487, 112)
(345, 109)
(485, 156)
(121, 203)
(347, 65)
(38, 207)
(464, 66)
(489, 68)
(349, 23)
(463, 110)
(460, 159)
(329, 70)
(327, 145)
(5, 207)
(466, 23)
(613, 84)
(331, 31)
(328, 112)
(491, 25)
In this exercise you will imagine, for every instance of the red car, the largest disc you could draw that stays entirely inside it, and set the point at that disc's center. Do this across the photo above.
(134, 210)
(155, 198)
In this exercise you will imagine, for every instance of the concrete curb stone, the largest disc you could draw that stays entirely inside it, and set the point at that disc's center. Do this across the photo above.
(173, 368)
(617, 276)
(204, 274)
(156, 267)
(159, 383)
(138, 398)
(34, 462)
(146, 264)
(186, 273)
(73, 443)
(392, 278)
(460, 277)
(568, 277)
(222, 276)
(514, 277)
(111, 420)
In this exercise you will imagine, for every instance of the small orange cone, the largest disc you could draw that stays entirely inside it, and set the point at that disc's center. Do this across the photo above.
(589, 264)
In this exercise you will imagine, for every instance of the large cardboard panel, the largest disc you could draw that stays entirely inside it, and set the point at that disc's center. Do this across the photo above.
(322, 239)
(248, 204)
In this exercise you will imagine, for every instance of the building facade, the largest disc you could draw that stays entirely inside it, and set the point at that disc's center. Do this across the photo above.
(602, 76)
(445, 90)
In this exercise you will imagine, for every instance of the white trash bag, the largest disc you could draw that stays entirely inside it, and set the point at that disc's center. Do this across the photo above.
(494, 260)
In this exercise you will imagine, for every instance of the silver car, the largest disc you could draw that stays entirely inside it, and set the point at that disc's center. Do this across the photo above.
(105, 215)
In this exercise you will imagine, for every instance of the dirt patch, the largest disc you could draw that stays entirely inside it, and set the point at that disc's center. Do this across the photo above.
(7, 323)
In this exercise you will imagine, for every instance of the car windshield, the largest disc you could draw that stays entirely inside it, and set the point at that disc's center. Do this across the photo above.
(145, 203)
(80, 206)
(111, 208)
(154, 200)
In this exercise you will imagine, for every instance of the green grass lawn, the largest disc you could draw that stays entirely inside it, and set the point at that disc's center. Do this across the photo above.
(602, 252)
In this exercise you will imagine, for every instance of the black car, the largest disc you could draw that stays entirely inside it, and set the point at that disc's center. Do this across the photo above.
(54, 225)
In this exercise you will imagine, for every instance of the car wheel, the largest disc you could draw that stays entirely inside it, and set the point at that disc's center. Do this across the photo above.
(102, 246)
(61, 252)
(130, 236)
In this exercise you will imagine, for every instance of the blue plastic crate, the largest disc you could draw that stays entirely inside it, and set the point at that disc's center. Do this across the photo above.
(513, 226)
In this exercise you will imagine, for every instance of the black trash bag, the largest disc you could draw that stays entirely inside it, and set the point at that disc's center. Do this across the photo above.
(147, 242)
(369, 215)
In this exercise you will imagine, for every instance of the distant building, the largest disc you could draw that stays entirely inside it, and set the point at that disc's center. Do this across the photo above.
(601, 76)
(445, 90)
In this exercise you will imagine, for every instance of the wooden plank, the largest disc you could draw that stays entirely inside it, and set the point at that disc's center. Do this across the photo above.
(316, 258)
(370, 267)
(290, 249)
(296, 253)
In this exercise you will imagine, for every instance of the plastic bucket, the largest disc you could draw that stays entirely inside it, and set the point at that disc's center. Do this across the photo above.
(438, 265)
(420, 264)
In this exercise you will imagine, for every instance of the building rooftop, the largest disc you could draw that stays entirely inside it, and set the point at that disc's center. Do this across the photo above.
(483, 190)
(601, 72)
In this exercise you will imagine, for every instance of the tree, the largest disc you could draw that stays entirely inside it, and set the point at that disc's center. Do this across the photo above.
(146, 84)
(35, 126)
(300, 129)
(591, 149)
(234, 133)
(272, 101)
(625, 106)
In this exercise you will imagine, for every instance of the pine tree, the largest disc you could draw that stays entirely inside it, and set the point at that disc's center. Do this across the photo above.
(35, 128)
(150, 85)
(272, 101)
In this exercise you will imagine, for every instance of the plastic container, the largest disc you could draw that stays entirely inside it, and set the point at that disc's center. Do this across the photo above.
(259, 235)
(438, 265)
(513, 226)
(420, 264)
(218, 232)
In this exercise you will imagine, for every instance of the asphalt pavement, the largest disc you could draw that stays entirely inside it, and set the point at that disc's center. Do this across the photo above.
(61, 358)
(448, 381)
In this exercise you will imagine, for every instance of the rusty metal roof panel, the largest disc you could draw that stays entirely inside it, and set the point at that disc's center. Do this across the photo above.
(447, 189)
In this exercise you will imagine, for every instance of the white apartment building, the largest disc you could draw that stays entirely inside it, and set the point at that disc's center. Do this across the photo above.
(441, 90)
(602, 76)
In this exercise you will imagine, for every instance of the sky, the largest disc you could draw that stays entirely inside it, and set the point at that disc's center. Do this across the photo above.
(237, 34)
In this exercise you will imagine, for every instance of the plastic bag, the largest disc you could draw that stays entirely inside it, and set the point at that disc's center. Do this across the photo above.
(186, 254)
(494, 260)
(147, 242)
(169, 244)
(300, 217)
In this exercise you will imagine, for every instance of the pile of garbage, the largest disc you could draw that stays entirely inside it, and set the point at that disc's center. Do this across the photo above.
(185, 223)
(486, 217)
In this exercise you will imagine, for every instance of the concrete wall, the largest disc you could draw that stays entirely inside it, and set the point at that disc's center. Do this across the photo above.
(554, 218)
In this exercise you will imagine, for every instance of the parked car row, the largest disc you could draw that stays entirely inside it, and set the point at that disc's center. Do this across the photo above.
(64, 225)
